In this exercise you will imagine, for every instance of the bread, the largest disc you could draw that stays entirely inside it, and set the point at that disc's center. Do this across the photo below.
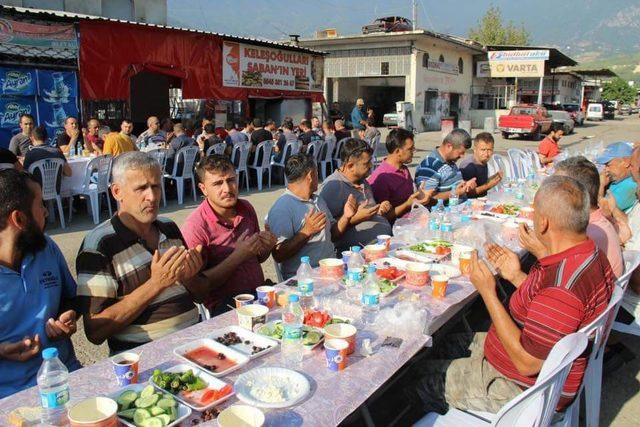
(25, 416)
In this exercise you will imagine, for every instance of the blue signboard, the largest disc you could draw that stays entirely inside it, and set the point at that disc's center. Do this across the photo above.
(57, 86)
(18, 81)
(12, 108)
(53, 114)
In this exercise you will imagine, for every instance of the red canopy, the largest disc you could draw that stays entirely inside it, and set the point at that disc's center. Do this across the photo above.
(112, 52)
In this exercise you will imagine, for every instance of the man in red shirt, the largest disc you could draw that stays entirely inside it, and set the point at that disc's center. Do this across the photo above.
(229, 232)
(549, 148)
(563, 292)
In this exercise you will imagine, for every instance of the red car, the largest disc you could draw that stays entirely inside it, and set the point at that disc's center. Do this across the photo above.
(527, 120)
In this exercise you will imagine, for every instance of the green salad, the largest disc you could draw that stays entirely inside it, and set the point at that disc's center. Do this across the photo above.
(310, 336)
(430, 246)
(148, 408)
(386, 286)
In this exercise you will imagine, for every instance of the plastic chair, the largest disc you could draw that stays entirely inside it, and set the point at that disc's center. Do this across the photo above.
(50, 172)
(535, 159)
(218, 148)
(204, 313)
(519, 161)
(336, 155)
(160, 154)
(102, 166)
(239, 157)
(313, 150)
(287, 152)
(375, 142)
(632, 261)
(188, 155)
(505, 166)
(325, 156)
(262, 155)
(4, 166)
(535, 406)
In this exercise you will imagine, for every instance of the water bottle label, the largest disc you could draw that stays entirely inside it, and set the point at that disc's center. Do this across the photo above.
(453, 202)
(354, 275)
(55, 399)
(370, 300)
(292, 333)
(446, 227)
(305, 287)
(433, 225)
(519, 196)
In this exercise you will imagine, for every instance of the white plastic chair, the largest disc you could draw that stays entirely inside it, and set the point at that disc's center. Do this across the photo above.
(313, 150)
(375, 143)
(505, 166)
(188, 156)
(50, 172)
(262, 154)
(218, 148)
(519, 161)
(336, 154)
(325, 156)
(100, 165)
(535, 406)
(204, 313)
(287, 151)
(160, 154)
(4, 166)
(632, 261)
(535, 159)
(239, 157)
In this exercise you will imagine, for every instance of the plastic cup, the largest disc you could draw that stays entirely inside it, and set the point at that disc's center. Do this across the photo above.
(266, 296)
(345, 258)
(439, 285)
(336, 351)
(125, 366)
(331, 268)
(526, 213)
(417, 274)
(465, 263)
(243, 299)
(343, 331)
(251, 315)
(374, 252)
(384, 239)
(94, 412)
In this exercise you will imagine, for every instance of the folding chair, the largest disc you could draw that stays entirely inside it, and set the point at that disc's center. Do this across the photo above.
(50, 172)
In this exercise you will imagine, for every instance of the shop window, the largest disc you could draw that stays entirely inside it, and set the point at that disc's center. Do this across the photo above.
(430, 102)
(441, 59)
(425, 60)
(384, 68)
(460, 66)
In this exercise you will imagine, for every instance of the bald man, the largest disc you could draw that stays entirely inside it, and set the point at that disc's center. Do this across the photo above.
(563, 292)
(93, 141)
(153, 134)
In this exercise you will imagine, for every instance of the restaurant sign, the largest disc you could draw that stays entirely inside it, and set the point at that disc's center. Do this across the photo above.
(259, 67)
(442, 67)
(499, 69)
(53, 36)
(518, 55)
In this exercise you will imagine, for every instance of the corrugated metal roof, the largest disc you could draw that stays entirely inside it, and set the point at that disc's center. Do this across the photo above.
(80, 16)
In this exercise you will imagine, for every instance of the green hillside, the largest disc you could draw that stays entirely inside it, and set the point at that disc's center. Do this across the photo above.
(627, 66)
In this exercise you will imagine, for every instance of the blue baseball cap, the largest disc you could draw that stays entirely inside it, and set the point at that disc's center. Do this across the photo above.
(615, 151)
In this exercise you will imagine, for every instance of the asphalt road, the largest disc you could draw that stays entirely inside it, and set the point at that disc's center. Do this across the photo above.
(620, 395)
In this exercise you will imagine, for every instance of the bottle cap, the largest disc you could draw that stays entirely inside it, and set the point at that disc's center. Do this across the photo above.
(371, 268)
(305, 260)
(49, 353)
(355, 249)
(294, 298)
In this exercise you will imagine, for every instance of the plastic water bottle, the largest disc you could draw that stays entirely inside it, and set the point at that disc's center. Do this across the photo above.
(446, 227)
(370, 296)
(54, 389)
(292, 321)
(354, 273)
(304, 276)
(72, 150)
(454, 201)
(439, 216)
(520, 189)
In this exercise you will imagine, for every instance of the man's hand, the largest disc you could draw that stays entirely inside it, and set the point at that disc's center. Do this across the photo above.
(63, 327)
(531, 243)
(165, 269)
(192, 265)
(384, 208)
(604, 180)
(496, 179)
(364, 213)
(268, 240)
(505, 261)
(350, 207)
(314, 223)
(470, 185)
(481, 276)
(461, 189)
(20, 351)
(248, 246)
(421, 196)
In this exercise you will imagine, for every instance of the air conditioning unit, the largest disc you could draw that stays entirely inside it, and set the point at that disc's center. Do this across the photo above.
(327, 34)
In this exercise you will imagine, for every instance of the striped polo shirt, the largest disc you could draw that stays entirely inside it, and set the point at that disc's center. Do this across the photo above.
(562, 294)
(437, 173)
(112, 262)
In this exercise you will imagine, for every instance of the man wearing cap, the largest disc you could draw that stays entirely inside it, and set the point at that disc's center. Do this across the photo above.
(616, 180)
(358, 115)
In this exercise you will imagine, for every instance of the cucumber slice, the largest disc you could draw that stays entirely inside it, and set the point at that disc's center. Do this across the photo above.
(140, 415)
(166, 419)
(173, 413)
(156, 410)
(126, 399)
(166, 404)
(128, 414)
(147, 391)
(152, 422)
(147, 402)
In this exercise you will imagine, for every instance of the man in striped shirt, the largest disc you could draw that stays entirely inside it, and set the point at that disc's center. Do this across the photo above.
(439, 170)
(136, 280)
(564, 292)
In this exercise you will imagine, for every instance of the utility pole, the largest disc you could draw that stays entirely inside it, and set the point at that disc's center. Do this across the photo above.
(414, 18)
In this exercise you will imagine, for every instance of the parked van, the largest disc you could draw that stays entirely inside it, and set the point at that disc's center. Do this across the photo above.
(595, 112)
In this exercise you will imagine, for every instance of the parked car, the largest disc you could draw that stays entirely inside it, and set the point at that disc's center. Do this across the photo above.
(625, 109)
(388, 24)
(526, 120)
(576, 113)
(609, 110)
(562, 120)
(390, 119)
(595, 111)
(635, 109)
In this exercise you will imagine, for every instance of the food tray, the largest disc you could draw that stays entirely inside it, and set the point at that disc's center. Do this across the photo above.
(246, 335)
(183, 410)
(239, 358)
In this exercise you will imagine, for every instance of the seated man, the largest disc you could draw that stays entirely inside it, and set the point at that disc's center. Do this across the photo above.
(439, 170)
(476, 165)
(391, 181)
(71, 136)
(600, 229)
(136, 281)
(153, 134)
(307, 136)
(179, 141)
(617, 179)
(8, 159)
(371, 131)
(41, 151)
(92, 139)
(349, 181)
(301, 220)
(563, 292)
(116, 143)
(341, 131)
(234, 135)
(126, 130)
(37, 289)
(548, 148)
(20, 143)
(228, 230)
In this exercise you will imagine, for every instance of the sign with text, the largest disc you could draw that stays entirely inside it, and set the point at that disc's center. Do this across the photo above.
(18, 81)
(260, 67)
(499, 69)
(518, 55)
(54, 36)
(442, 67)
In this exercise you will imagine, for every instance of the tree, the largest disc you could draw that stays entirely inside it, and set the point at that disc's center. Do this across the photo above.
(618, 90)
(492, 30)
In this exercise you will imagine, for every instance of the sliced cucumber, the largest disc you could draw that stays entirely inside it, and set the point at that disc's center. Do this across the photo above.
(126, 399)
(152, 422)
(128, 414)
(140, 415)
(166, 404)
(173, 413)
(147, 391)
(147, 402)
(166, 419)
(156, 410)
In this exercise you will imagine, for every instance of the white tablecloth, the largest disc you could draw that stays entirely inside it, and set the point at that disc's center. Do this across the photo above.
(78, 170)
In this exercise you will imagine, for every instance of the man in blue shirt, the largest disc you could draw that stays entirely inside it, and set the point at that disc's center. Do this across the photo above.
(36, 287)
(439, 170)
(616, 178)
(358, 115)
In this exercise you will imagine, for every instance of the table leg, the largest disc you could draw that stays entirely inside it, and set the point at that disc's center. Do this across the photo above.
(366, 415)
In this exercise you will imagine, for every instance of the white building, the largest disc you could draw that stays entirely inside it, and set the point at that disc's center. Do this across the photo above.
(431, 71)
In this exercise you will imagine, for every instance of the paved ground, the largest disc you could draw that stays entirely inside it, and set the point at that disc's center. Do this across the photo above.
(620, 396)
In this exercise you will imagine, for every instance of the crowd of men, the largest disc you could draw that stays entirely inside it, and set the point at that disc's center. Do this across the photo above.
(139, 275)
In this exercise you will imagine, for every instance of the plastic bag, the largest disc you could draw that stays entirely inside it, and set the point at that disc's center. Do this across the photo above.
(404, 320)
(414, 226)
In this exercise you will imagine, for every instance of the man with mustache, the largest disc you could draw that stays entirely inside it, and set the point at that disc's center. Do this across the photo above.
(228, 230)
(136, 280)
(37, 289)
